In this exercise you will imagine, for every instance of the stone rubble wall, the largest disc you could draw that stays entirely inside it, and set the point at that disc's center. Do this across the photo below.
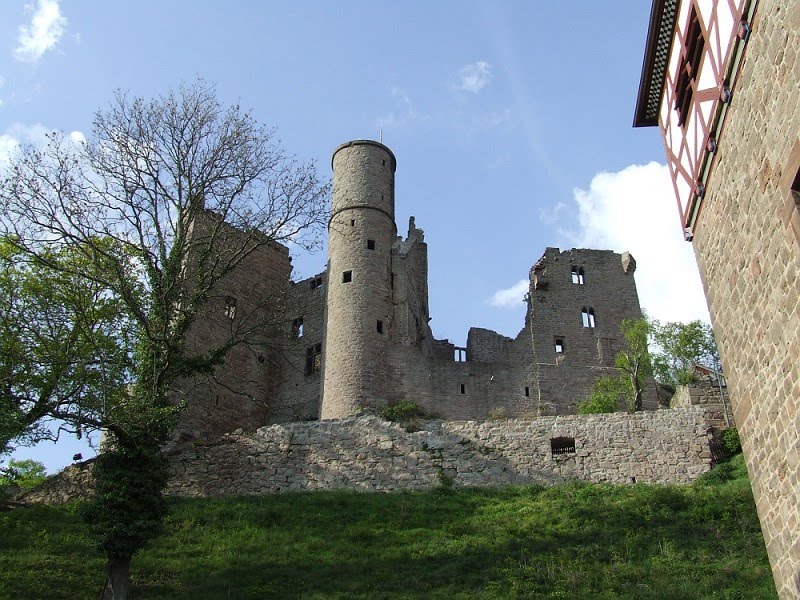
(368, 454)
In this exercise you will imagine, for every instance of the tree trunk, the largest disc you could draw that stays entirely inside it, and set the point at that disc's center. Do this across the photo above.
(117, 579)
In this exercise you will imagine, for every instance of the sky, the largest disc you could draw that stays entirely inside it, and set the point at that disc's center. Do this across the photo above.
(511, 123)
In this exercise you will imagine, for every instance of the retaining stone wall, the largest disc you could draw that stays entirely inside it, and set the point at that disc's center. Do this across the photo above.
(368, 454)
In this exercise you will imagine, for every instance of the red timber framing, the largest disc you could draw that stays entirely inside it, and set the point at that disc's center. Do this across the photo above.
(695, 70)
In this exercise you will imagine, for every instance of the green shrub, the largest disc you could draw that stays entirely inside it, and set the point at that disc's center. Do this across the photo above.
(731, 442)
(401, 411)
(603, 398)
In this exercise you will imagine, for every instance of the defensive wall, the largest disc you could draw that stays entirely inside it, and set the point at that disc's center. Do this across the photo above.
(367, 453)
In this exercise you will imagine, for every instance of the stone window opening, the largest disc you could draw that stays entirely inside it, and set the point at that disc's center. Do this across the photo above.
(370, 244)
(352, 222)
(313, 359)
(562, 445)
(587, 317)
(379, 327)
(578, 275)
(691, 59)
(230, 307)
(316, 283)
(527, 392)
(347, 277)
(463, 389)
(460, 354)
(261, 359)
(297, 327)
(392, 281)
(559, 345)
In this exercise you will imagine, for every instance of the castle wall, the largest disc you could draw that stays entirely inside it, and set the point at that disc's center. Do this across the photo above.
(563, 286)
(246, 305)
(747, 244)
(369, 454)
(300, 392)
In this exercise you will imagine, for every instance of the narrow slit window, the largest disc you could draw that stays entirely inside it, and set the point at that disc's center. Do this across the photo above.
(370, 244)
(313, 359)
(527, 391)
(463, 389)
(352, 222)
(392, 283)
(297, 327)
(587, 317)
(559, 346)
(230, 307)
(379, 327)
(347, 277)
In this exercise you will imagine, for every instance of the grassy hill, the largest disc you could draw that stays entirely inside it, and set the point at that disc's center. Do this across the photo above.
(572, 541)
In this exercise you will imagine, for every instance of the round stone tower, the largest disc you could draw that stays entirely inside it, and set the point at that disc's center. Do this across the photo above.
(361, 232)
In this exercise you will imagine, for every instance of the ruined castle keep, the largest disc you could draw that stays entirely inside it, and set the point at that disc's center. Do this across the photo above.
(357, 336)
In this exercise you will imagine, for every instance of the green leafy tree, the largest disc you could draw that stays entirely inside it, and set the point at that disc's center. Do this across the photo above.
(150, 201)
(604, 396)
(679, 346)
(634, 361)
(634, 366)
(21, 475)
(64, 346)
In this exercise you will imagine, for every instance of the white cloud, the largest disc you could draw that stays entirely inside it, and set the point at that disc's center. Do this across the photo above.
(510, 297)
(474, 77)
(36, 135)
(634, 210)
(404, 112)
(45, 30)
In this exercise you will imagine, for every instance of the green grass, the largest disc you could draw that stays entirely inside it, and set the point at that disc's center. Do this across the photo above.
(572, 541)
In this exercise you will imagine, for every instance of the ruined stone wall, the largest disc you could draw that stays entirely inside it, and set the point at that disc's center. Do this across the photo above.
(409, 284)
(563, 286)
(246, 305)
(300, 391)
(369, 454)
(747, 244)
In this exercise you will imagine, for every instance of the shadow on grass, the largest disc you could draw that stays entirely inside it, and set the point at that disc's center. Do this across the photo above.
(573, 541)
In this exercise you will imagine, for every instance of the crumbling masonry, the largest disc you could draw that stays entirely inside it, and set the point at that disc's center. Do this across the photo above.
(357, 336)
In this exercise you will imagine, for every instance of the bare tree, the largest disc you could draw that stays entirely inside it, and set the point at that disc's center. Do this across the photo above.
(150, 202)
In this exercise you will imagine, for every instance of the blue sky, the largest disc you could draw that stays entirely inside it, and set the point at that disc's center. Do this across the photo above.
(511, 122)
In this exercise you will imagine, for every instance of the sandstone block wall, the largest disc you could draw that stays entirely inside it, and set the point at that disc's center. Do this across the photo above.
(246, 306)
(369, 454)
(747, 244)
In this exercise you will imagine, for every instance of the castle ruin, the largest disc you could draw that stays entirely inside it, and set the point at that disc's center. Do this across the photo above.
(357, 336)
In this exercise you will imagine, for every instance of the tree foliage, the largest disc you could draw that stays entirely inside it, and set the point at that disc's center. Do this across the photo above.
(604, 396)
(21, 475)
(678, 347)
(64, 346)
(634, 360)
(166, 198)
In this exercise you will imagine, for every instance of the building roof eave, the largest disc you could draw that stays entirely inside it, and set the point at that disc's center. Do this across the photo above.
(663, 15)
